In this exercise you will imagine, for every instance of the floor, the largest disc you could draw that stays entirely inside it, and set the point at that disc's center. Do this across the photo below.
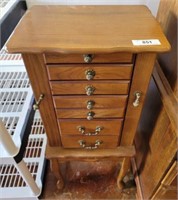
(94, 180)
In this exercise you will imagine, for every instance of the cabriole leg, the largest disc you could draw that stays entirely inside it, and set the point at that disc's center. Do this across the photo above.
(55, 168)
(125, 167)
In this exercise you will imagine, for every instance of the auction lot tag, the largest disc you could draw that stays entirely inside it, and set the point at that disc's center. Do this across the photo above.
(146, 42)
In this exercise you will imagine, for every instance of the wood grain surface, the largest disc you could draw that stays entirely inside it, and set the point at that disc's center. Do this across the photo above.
(87, 29)
(37, 73)
(74, 154)
(98, 113)
(109, 142)
(120, 57)
(78, 87)
(141, 78)
(110, 126)
(100, 101)
(78, 72)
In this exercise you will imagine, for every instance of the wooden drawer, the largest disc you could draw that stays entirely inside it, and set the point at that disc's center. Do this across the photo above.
(95, 113)
(73, 141)
(80, 87)
(97, 101)
(109, 126)
(96, 58)
(88, 72)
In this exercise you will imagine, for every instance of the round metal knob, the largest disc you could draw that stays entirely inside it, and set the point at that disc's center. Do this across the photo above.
(90, 115)
(87, 58)
(89, 90)
(90, 104)
(89, 74)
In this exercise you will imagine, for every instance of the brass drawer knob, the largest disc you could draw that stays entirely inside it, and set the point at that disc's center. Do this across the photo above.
(98, 129)
(90, 104)
(88, 58)
(89, 90)
(90, 115)
(84, 145)
(137, 99)
(36, 105)
(90, 74)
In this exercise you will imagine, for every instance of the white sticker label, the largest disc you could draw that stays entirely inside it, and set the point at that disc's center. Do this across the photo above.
(146, 42)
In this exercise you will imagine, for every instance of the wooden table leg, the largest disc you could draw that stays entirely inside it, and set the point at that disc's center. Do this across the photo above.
(125, 167)
(55, 168)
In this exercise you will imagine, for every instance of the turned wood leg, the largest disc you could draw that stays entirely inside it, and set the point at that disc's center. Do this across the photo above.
(55, 168)
(125, 167)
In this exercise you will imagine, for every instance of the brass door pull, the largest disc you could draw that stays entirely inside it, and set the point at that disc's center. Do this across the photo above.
(89, 74)
(90, 115)
(89, 90)
(90, 147)
(137, 99)
(36, 105)
(88, 58)
(97, 130)
(90, 104)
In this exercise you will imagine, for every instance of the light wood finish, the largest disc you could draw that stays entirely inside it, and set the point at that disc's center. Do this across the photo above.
(98, 113)
(141, 78)
(86, 29)
(100, 101)
(125, 167)
(108, 142)
(55, 168)
(110, 126)
(78, 72)
(169, 183)
(37, 73)
(61, 35)
(82, 154)
(168, 98)
(96, 58)
(78, 87)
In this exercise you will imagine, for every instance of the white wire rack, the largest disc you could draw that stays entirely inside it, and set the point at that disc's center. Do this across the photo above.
(15, 102)
(16, 99)
(12, 185)
(5, 6)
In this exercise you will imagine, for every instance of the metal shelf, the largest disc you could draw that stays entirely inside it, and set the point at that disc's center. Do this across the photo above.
(15, 106)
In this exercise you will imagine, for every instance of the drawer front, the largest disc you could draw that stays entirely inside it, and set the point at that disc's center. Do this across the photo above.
(87, 114)
(71, 126)
(83, 87)
(89, 72)
(96, 58)
(90, 102)
(89, 141)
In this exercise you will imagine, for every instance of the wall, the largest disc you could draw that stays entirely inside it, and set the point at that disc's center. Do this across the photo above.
(152, 4)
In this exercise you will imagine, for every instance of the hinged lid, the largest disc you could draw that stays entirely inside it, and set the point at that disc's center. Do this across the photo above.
(88, 29)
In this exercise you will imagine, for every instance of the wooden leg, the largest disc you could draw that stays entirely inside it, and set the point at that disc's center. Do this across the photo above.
(55, 168)
(123, 171)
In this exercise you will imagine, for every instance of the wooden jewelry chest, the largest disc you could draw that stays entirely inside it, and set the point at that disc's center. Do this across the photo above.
(89, 68)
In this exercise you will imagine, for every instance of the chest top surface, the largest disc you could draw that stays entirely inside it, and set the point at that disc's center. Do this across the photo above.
(75, 29)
